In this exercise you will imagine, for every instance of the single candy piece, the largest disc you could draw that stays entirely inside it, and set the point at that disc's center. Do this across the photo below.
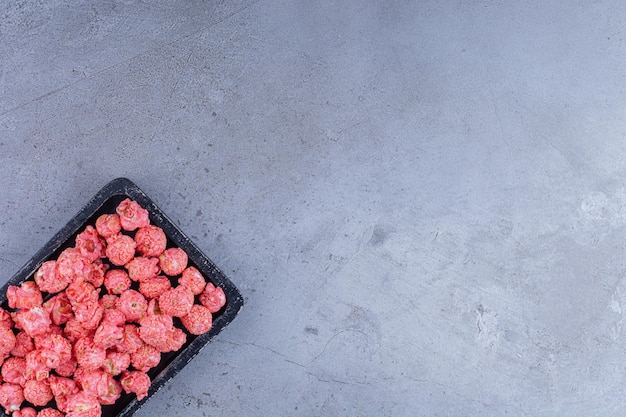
(116, 362)
(131, 340)
(27, 295)
(108, 301)
(11, 397)
(82, 404)
(88, 355)
(198, 321)
(25, 412)
(151, 240)
(5, 319)
(95, 382)
(137, 382)
(212, 298)
(108, 334)
(59, 309)
(7, 341)
(113, 392)
(36, 367)
(120, 249)
(142, 269)
(61, 386)
(73, 266)
(37, 392)
(13, 371)
(49, 412)
(155, 330)
(90, 244)
(154, 287)
(48, 278)
(54, 349)
(34, 321)
(96, 273)
(173, 261)
(192, 279)
(133, 305)
(67, 369)
(108, 225)
(74, 330)
(23, 344)
(116, 281)
(176, 302)
(132, 215)
(145, 358)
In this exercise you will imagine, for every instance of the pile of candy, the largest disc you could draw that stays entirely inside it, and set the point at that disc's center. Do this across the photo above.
(94, 321)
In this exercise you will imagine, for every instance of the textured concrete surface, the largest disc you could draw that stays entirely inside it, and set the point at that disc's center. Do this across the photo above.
(423, 203)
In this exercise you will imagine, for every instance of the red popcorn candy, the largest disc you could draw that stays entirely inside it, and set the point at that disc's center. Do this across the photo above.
(132, 215)
(5, 319)
(13, 371)
(49, 412)
(116, 281)
(23, 344)
(48, 278)
(173, 261)
(192, 279)
(11, 397)
(133, 305)
(116, 362)
(151, 241)
(82, 404)
(37, 393)
(36, 367)
(88, 355)
(59, 309)
(7, 341)
(154, 287)
(131, 340)
(54, 349)
(176, 302)
(90, 244)
(25, 412)
(198, 321)
(212, 298)
(108, 301)
(120, 249)
(145, 358)
(27, 295)
(72, 265)
(34, 321)
(137, 382)
(142, 269)
(108, 225)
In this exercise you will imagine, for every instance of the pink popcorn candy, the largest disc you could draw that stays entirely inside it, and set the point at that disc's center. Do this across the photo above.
(198, 321)
(142, 269)
(108, 334)
(88, 355)
(154, 330)
(95, 382)
(176, 302)
(132, 215)
(23, 344)
(108, 301)
(59, 309)
(114, 392)
(62, 387)
(74, 330)
(7, 341)
(27, 295)
(36, 367)
(151, 241)
(48, 278)
(120, 249)
(137, 382)
(108, 225)
(54, 349)
(90, 244)
(114, 316)
(131, 340)
(11, 397)
(96, 273)
(49, 412)
(13, 371)
(82, 404)
(72, 265)
(116, 281)
(192, 279)
(175, 340)
(37, 393)
(67, 369)
(34, 321)
(25, 412)
(5, 319)
(145, 358)
(212, 298)
(173, 261)
(116, 362)
(154, 287)
(133, 305)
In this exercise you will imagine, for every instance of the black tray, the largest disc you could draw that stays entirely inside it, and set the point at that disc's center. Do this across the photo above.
(105, 201)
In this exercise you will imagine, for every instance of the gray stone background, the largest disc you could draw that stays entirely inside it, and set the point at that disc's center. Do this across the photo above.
(422, 202)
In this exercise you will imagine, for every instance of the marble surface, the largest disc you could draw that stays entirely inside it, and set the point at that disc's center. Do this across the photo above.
(423, 203)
